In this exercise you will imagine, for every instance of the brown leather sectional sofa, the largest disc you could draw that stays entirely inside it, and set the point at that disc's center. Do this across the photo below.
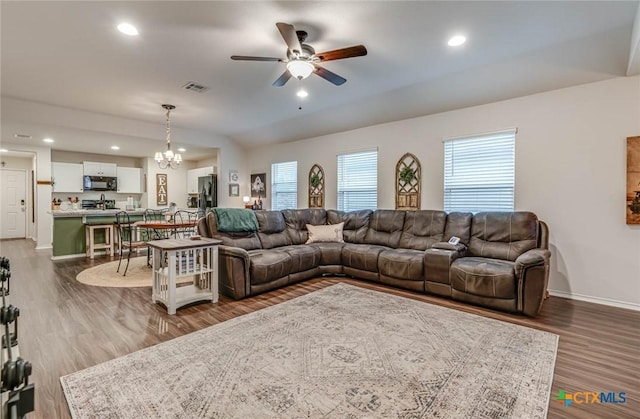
(501, 261)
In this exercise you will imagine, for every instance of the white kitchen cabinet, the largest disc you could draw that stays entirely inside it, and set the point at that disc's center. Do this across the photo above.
(129, 179)
(194, 174)
(99, 169)
(67, 177)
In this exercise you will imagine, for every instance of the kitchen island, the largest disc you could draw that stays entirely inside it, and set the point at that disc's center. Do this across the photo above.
(69, 229)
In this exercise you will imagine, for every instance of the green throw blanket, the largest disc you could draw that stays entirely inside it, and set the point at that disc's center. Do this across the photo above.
(235, 219)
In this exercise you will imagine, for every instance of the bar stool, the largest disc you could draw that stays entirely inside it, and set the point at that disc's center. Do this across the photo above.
(92, 246)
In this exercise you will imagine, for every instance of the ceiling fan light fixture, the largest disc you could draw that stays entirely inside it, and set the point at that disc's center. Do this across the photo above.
(300, 69)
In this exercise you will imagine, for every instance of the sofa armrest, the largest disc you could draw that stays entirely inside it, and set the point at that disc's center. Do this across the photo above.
(460, 248)
(533, 257)
(233, 271)
(532, 273)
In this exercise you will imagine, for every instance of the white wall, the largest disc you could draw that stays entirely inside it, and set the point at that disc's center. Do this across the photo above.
(570, 170)
(176, 183)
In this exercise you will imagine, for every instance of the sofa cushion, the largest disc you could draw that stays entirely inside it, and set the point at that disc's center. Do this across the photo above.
(385, 228)
(484, 277)
(303, 257)
(272, 229)
(503, 235)
(296, 221)
(325, 233)
(268, 265)
(402, 264)
(356, 223)
(362, 256)
(422, 229)
(330, 253)
(458, 225)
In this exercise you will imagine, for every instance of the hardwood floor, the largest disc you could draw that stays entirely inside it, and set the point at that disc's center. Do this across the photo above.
(65, 326)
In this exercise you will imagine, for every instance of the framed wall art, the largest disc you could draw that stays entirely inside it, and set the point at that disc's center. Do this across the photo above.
(234, 189)
(162, 194)
(259, 185)
(633, 180)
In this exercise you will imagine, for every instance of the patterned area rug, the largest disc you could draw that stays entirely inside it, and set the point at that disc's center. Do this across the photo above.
(341, 352)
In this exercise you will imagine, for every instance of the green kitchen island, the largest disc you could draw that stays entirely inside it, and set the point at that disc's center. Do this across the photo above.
(69, 229)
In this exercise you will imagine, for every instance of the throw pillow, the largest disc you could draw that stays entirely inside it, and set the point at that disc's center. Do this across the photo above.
(325, 233)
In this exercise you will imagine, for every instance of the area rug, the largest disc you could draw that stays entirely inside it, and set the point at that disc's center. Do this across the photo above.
(105, 275)
(341, 352)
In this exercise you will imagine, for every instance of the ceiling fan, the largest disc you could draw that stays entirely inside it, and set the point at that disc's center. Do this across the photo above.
(302, 60)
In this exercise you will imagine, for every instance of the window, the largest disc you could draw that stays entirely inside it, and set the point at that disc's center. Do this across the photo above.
(479, 172)
(358, 180)
(284, 185)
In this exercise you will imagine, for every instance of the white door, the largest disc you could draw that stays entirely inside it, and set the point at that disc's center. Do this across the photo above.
(13, 204)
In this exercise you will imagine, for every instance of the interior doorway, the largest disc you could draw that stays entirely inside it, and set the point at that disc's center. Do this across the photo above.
(13, 203)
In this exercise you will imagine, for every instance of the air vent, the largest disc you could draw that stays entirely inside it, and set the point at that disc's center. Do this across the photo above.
(195, 87)
(22, 136)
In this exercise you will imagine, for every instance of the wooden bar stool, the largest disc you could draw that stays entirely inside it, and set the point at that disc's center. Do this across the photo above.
(92, 246)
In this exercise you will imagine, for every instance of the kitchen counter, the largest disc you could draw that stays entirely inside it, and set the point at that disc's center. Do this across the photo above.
(92, 212)
(69, 239)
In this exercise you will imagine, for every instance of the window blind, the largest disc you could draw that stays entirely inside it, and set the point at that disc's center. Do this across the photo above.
(358, 180)
(284, 185)
(479, 172)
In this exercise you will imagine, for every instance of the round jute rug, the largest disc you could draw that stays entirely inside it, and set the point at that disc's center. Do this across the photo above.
(105, 275)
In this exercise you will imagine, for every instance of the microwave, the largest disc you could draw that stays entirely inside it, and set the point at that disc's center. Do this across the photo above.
(100, 183)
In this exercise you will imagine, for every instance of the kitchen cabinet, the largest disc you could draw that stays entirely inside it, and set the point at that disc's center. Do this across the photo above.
(129, 179)
(194, 174)
(99, 169)
(67, 177)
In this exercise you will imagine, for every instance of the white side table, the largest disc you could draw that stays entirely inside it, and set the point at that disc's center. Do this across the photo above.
(177, 258)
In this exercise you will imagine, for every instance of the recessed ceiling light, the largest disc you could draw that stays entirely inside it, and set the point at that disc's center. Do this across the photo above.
(3, 150)
(302, 93)
(48, 140)
(115, 147)
(182, 150)
(128, 29)
(457, 40)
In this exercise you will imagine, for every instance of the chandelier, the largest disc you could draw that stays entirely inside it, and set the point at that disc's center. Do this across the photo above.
(168, 158)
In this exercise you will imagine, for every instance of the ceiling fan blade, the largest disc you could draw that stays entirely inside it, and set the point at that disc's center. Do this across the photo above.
(338, 54)
(329, 76)
(288, 32)
(282, 79)
(247, 58)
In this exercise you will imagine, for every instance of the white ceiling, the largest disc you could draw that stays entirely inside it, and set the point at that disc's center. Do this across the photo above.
(69, 54)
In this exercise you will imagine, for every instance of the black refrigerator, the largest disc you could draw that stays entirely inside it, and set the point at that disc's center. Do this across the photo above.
(207, 192)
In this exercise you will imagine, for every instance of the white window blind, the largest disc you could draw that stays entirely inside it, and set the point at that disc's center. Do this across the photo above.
(479, 172)
(284, 185)
(358, 180)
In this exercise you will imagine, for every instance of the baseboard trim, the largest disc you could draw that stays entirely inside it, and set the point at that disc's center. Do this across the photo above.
(78, 255)
(44, 247)
(596, 300)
